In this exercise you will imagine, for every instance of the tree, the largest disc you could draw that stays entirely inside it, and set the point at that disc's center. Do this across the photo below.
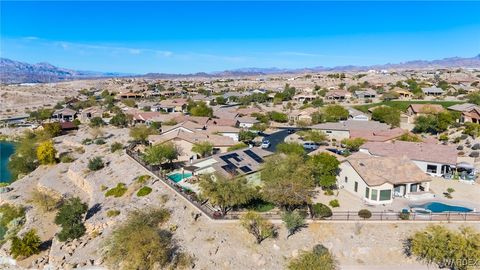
(23, 160)
(293, 221)
(278, 117)
(288, 181)
(70, 217)
(335, 113)
(200, 109)
(204, 149)
(353, 144)
(324, 167)
(257, 226)
(52, 129)
(319, 258)
(472, 129)
(290, 148)
(246, 136)
(26, 246)
(387, 115)
(226, 193)
(160, 153)
(96, 122)
(141, 132)
(409, 137)
(474, 98)
(140, 242)
(95, 164)
(433, 123)
(46, 153)
(446, 248)
(119, 120)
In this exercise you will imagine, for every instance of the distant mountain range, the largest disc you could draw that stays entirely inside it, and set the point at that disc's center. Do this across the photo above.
(19, 72)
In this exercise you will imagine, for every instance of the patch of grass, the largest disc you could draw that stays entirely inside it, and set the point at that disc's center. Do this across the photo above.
(144, 191)
(403, 105)
(142, 179)
(259, 205)
(117, 191)
(113, 213)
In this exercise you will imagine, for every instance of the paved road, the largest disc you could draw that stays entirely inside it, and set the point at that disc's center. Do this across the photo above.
(276, 138)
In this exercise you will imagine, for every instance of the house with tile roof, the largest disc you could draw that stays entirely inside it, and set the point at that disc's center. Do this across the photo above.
(434, 159)
(343, 130)
(379, 180)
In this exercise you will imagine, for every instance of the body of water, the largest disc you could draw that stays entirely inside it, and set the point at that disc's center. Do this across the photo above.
(6, 150)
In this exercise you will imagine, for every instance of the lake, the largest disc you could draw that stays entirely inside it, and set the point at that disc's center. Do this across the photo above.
(6, 150)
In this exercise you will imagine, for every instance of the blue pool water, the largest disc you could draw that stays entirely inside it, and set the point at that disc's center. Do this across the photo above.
(437, 207)
(177, 177)
(6, 150)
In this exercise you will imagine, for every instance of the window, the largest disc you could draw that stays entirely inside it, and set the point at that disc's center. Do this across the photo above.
(431, 168)
(385, 195)
(413, 187)
(355, 187)
(374, 195)
(346, 179)
(367, 192)
(328, 131)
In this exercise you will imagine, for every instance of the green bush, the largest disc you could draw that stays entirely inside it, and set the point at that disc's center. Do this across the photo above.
(144, 191)
(142, 179)
(66, 158)
(70, 217)
(365, 214)
(113, 213)
(9, 212)
(95, 164)
(321, 210)
(26, 246)
(115, 147)
(99, 141)
(117, 191)
(334, 203)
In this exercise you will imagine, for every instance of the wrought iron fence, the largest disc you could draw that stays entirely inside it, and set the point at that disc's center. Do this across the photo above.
(212, 213)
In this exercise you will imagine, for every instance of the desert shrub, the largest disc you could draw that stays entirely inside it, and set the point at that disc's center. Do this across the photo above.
(183, 261)
(26, 246)
(9, 212)
(115, 147)
(144, 191)
(141, 229)
(99, 141)
(117, 191)
(404, 215)
(46, 153)
(474, 154)
(319, 258)
(45, 201)
(334, 203)
(113, 213)
(446, 248)
(142, 179)
(450, 190)
(87, 141)
(70, 218)
(95, 164)
(66, 158)
(321, 210)
(328, 192)
(365, 214)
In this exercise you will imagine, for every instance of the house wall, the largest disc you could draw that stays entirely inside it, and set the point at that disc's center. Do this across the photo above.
(423, 166)
(232, 135)
(245, 125)
(346, 170)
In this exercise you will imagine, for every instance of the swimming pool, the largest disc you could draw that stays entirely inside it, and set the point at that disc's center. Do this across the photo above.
(438, 207)
(177, 177)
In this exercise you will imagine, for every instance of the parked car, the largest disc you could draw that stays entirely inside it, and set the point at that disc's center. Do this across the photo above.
(310, 146)
(291, 131)
(337, 151)
(265, 144)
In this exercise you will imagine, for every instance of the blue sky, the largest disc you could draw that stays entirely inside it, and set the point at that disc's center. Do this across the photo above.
(183, 37)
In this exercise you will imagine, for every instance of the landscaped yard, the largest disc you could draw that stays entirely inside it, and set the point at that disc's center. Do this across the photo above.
(403, 105)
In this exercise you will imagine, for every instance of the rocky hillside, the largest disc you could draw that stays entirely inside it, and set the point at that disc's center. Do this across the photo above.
(19, 72)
